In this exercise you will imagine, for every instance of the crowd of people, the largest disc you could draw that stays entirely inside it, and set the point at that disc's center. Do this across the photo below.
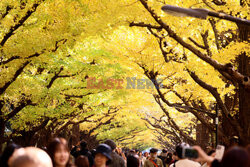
(107, 154)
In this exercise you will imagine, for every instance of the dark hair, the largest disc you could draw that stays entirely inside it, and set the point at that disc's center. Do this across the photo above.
(93, 151)
(140, 153)
(53, 146)
(132, 161)
(153, 150)
(82, 161)
(175, 153)
(111, 143)
(169, 158)
(7, 153)
(164, 150)
(211, 152)
(179, 149)
(83, 145)
(236, 156)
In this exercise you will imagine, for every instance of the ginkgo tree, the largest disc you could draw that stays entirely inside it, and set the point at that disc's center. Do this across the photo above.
(209, 60)
(43, 78)
(46, 61)
(239, 79)
(135, 42)
(49, 50)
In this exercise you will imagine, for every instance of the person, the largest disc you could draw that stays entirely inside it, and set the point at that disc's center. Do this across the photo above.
(132, 152)
(117, 161)
(120, 152)
(82, 161)
(59, 152)
(210, 153)
(132, 161)
(168, 159)
(153, 161)
(30, 157)
(163, 156)
(102, 155)
(183, 162)
(233, 157)
(174, 158)
(7, 153)
(140, 157)
(82, 150)
(146, 154)
(144, 158)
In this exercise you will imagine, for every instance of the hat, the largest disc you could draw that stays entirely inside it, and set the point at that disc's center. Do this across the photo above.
(111, 143)
(105, 150)
(153, 150)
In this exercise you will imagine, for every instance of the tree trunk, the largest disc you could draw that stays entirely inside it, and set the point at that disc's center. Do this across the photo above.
(2, 128)
(244, 95)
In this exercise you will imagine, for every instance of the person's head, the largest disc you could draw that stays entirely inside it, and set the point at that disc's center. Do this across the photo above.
(179, 149)
(118, 150)
(146, 154)
(175, 157)
(93, 151)
(140, 154)
(7, 153)
(132, 152)
(164, 152)
(30, 157)
(82, 161)
(211, 153)
(236, 156)
(153, 153)
(83, 145)
(169, 155)
(169, 158)
(59, 152)
(102, 155)
(132, 161)
(111, 144)
(209, 148)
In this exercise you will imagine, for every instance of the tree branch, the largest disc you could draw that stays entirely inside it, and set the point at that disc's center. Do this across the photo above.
(216, 95)
(54, 78)
(219, 2)
(17, 109)
(200, 46)
(204, 37)
(7, 10)
(72, 123)
(205, 2)
(220, 67)
(142, 24)
(17, 73)
(216, 33)
(9, 60)
(20, 22)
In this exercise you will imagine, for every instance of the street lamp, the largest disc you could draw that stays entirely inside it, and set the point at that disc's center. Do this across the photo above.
(201, 13)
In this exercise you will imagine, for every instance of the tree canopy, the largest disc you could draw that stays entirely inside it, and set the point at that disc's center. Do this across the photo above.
(67, 65)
